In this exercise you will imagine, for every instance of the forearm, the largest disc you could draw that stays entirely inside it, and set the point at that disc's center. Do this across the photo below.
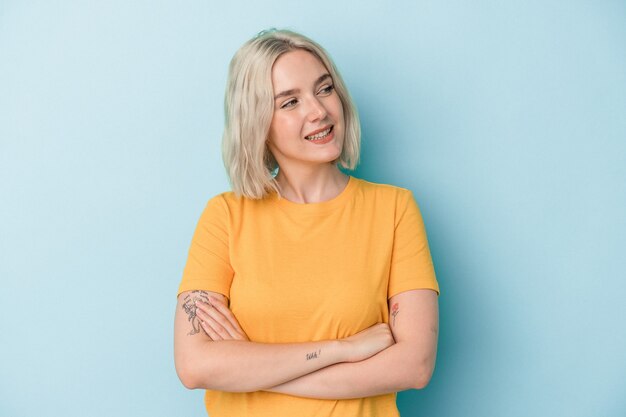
(407, 364)
(397, 368)
(223, 359)
(228, 361)
(242, 366)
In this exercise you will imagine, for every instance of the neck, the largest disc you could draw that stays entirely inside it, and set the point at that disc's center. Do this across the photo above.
(312, 186)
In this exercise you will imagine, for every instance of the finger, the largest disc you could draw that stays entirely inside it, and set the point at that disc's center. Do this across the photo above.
(216, 328)
(232, 324)
(222, 314)
(222, 308)
(218, 322)
(209, 331)
(225, 323)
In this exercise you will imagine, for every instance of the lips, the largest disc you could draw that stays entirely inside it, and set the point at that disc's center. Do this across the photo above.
(320, 133)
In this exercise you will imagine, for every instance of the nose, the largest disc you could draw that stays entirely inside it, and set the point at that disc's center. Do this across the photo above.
(316, 110)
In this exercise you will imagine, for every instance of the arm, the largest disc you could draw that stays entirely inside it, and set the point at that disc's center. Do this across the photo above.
(409, 363)
(238, 365)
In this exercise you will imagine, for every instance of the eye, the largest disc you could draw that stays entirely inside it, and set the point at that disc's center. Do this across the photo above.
(289, 103)
(326, 90)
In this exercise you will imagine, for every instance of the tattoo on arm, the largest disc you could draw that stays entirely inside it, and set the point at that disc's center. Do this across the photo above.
(314, 355)
(394, 312)
(189, 306)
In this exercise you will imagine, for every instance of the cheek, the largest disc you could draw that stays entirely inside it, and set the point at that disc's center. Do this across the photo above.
(275, 128)
(339, 111)
(280, 133)
(342, 120)
(284, 126)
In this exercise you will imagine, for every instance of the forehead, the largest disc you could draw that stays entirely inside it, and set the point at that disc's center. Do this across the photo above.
(296, 69)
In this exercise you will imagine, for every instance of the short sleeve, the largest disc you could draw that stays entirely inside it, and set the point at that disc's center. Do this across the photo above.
(411, 263)
(208, 263)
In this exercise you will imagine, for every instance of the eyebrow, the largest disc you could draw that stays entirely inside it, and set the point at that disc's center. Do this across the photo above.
(295, 90)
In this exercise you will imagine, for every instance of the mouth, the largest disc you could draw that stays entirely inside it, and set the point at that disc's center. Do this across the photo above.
(319, 134)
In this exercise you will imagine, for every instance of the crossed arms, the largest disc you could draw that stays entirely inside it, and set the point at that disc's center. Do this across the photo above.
(212, 352)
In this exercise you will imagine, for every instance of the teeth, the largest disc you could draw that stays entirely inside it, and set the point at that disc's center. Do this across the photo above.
(319, 135)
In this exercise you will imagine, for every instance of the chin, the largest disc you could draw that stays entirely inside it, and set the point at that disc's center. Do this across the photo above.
(333, 157)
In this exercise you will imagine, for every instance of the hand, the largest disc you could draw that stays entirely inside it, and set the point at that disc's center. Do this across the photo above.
(218, 321)
(369, 342)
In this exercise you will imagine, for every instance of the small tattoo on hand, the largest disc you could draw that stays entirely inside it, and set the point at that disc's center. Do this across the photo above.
(394, 312)
(314, 355)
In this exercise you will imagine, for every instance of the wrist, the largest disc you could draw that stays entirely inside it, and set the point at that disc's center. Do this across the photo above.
(344, 350)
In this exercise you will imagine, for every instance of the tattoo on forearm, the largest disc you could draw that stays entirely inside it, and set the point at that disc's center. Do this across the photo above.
(395, 309)
(314, 355)
(189, 306)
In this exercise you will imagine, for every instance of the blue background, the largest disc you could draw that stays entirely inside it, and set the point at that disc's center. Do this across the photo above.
(506, 119)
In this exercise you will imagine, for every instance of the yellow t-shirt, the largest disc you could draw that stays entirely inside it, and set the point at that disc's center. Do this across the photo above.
(308, 272)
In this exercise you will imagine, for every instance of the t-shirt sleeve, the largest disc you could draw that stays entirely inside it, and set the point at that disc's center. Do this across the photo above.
(208, 263)
(411, 263)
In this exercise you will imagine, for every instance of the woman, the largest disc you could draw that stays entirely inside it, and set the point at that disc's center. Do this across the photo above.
(307, 292)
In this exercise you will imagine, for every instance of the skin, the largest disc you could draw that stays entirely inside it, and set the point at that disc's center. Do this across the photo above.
(308, 172)
(395, 310)
(222, 358)
(212, 351)
(407, 363)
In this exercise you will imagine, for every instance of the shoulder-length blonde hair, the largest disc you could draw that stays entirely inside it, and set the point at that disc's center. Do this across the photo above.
(249, 107)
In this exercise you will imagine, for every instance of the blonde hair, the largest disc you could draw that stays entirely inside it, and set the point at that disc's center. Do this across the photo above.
(249, 107)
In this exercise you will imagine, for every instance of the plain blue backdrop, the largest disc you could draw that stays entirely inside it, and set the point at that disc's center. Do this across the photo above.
(506, 119)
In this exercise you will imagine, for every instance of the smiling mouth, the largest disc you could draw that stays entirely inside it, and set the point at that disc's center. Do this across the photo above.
(320, 135)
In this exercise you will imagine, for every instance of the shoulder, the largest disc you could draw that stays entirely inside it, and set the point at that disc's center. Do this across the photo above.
(229, 203)
(225, 198)
(386, 199)
(386, 191)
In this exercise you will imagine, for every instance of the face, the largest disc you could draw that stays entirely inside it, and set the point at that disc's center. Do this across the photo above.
(307, 126)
